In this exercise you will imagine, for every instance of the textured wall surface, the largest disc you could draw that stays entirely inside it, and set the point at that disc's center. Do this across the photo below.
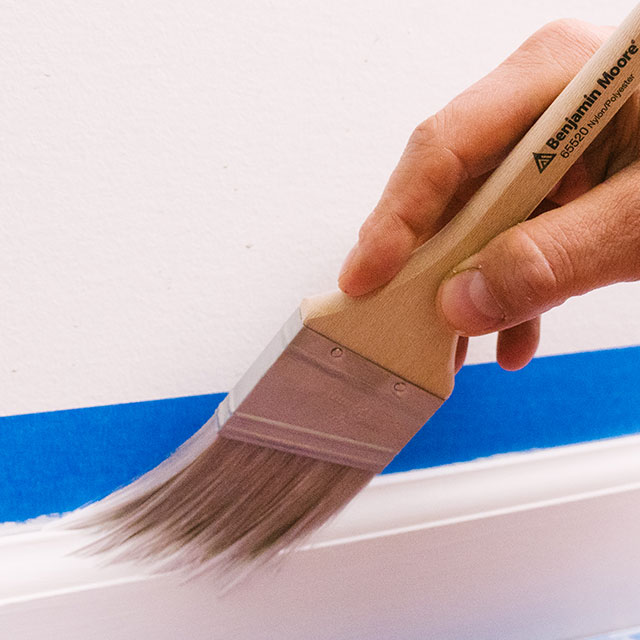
(176, 176)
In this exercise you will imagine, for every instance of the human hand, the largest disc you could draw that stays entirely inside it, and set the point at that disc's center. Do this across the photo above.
(584, 235)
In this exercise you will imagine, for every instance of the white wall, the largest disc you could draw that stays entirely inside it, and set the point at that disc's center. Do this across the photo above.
(176, 176)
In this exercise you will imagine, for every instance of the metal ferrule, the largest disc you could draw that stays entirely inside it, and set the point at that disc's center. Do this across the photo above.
(310, 396)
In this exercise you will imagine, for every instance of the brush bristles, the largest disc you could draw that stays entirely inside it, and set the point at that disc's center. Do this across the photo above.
(234, 500)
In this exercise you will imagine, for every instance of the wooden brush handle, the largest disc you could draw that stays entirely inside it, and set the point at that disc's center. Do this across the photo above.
(398, 326)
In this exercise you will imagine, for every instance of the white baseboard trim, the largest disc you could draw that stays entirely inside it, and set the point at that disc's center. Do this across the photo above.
(541, 546)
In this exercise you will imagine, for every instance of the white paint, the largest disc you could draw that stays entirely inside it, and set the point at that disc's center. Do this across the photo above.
(175, 178)
(457, 556)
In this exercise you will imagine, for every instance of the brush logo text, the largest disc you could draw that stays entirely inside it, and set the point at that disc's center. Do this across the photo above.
(588, 114)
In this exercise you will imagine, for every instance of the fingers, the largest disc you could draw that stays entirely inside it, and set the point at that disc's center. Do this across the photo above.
(590, 242)
(461, 352)
(576, 182)
(517, 345)
(464, 140)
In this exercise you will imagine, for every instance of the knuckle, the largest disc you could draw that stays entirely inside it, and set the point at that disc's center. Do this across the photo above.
(628, 204)
(367, 227)
(541, 269)
(375, 229)
(561, 28)
(566, 42)
(614, 224)
(431, 152)
(433, 132)
(382, 225)
(397, 214)
(425, 135)
(625, 226)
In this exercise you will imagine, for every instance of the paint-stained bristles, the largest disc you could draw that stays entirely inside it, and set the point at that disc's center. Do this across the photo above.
(234, 500)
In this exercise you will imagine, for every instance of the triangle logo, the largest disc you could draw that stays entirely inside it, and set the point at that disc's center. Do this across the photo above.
(543, 160)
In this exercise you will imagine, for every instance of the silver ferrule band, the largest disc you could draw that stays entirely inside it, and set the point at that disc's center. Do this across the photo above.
(310, 396)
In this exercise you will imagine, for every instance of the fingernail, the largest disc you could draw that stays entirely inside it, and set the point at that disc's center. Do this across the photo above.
(349, 261)
(468, 304)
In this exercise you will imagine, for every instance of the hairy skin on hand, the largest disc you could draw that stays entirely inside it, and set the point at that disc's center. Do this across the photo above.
(585, 234)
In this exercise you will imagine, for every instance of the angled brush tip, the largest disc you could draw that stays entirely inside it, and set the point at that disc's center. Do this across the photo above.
(235, 501)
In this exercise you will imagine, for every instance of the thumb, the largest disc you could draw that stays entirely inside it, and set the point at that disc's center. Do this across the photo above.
(534, 266)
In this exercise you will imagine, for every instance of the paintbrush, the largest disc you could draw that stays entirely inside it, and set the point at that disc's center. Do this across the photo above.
(347, 382)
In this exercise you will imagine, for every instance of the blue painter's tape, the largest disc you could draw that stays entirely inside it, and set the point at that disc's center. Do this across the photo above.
(53, 462)
(56, 461)
(553, 401)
